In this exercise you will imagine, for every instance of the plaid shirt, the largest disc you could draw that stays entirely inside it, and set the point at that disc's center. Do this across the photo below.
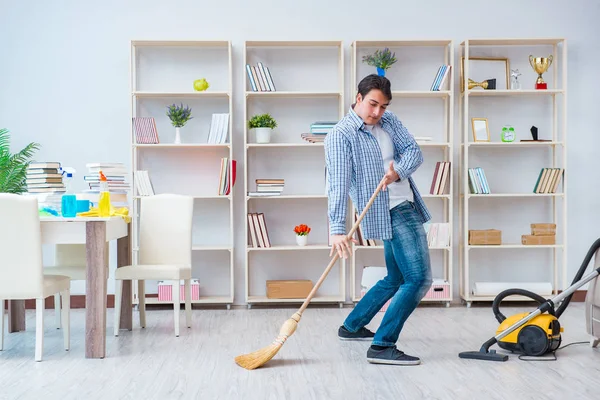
(355, 167)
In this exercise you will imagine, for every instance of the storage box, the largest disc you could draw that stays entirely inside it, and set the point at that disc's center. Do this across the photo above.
(485, 237)
(290, 289)
(538, 239)
(543, 229)
(440, 289)
(165, 290)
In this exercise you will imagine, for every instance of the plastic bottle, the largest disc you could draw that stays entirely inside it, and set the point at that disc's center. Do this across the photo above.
(104, 200)
(68, 200)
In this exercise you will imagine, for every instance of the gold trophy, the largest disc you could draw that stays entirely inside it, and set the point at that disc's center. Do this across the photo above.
(488, 84)
(540, 65)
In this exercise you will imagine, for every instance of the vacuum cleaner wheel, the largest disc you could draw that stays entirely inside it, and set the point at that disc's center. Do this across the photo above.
(533, 340)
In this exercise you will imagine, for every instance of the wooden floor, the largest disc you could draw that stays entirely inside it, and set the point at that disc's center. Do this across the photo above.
(313, 364)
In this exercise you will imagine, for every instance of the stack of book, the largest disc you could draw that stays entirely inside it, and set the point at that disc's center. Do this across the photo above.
(440, 77)
(260, 78)
(268, 187)
(44, 177)
(441, 178)
(227, 176)
(548, 180)
(257, 225)
(318, 131)
(438, 234)
(478, 183)
(116, 176)
(143, 183)
(219, 128)
(144, 129)
(44, 181)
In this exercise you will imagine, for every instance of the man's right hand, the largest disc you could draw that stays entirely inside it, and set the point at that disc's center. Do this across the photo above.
(341, 244)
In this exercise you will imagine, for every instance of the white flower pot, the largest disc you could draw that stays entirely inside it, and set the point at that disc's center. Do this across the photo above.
(263, 135)
(301, 240)
(177, 137)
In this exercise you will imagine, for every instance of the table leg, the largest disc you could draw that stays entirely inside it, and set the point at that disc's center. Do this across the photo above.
(16, 315)
(124, 259)
(95, 291)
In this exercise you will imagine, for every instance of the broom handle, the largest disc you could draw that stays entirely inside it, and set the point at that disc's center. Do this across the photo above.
(336, 255)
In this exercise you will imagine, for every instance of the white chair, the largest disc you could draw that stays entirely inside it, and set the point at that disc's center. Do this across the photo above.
(165, 253)
(69, 260)
(21, 266)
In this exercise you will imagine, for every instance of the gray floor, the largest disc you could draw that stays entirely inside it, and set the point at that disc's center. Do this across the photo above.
(313, 364)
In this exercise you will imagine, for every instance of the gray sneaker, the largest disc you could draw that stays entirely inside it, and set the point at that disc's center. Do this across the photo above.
(362, 334)
(391, 355)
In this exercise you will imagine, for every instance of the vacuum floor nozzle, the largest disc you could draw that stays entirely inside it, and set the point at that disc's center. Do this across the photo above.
(480, 355)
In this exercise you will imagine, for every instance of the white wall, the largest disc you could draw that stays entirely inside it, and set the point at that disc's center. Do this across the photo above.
(64, 70)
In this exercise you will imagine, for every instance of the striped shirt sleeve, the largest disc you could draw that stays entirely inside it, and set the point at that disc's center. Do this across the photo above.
(338, 160)
(408, 153)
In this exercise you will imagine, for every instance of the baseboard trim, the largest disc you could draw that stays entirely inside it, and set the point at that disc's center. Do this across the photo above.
(78, 300)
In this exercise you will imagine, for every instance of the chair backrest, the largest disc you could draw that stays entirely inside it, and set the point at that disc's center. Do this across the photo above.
(21, 268)
(166, 229)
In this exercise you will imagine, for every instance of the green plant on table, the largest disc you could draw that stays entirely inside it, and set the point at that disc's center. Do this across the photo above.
(13, 167)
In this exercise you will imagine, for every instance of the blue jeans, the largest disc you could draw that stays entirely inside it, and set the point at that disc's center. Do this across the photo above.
(408, 278)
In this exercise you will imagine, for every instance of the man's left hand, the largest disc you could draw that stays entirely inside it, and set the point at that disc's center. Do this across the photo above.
(390, 176)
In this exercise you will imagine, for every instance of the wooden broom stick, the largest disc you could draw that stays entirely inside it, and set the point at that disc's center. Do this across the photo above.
(260, 357)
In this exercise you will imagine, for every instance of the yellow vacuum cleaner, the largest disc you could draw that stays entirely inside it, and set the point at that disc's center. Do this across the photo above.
(538, 332)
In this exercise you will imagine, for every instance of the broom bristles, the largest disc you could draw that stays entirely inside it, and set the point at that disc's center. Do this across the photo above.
(261, 357)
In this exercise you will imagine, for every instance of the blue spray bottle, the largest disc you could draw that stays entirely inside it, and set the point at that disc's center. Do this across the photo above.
(69, 200)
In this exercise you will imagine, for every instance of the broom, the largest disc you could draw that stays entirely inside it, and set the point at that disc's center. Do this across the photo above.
(260, 357)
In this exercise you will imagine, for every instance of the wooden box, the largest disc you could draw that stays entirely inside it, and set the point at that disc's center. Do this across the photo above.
(543, 229)
(292, 289)
(485, 237)
(538, 239)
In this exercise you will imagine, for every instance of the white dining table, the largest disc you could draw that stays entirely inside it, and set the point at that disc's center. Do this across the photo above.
(95, 233)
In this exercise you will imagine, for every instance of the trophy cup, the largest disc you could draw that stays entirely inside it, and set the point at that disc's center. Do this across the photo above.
(540, 65)
(488, 84)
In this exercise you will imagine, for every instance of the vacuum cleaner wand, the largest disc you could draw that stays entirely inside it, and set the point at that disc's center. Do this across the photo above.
(490, 355)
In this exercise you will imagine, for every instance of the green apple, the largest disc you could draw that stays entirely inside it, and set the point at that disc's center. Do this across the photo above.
(201, 85)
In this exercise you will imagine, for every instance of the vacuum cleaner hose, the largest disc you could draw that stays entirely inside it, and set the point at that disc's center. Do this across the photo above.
(521, 292)
(578, 276)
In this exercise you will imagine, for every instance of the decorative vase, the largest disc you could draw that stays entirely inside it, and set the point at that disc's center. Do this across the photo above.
(301, 240)
(380, 71)
(263, 135)
(177, 137)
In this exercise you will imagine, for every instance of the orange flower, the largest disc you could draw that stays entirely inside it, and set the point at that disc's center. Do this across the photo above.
(302, 230)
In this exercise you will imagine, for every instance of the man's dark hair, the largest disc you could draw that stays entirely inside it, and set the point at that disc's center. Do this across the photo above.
(375, 81)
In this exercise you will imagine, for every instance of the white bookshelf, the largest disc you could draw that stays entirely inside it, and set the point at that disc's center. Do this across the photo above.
(162, 73)
(424, 113)
(309, 87)
(512, 169)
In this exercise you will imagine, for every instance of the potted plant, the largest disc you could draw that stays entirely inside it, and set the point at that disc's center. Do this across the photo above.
(302, 232)
(381, 59)
(263, 125)
(178, 115)
(13, 167)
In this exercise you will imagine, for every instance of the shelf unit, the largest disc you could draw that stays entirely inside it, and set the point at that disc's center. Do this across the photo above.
(162, 73)
(309, 82)
(512, 168)
(414, 72)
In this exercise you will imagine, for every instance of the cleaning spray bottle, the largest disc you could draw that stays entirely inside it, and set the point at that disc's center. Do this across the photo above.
(68, 206)
(104, 199)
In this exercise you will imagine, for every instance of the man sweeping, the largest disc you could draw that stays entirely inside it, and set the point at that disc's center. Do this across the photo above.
(368, 144)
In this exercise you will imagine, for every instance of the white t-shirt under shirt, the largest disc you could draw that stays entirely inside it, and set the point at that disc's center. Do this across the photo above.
(399, 191)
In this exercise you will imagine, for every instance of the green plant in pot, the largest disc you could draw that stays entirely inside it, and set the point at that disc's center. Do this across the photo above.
(179, 116)
(263, 125)
(13, 167)
(381, 59)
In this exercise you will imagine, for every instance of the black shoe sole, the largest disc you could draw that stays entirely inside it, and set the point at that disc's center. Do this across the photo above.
(393, 362)
(360, 339)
